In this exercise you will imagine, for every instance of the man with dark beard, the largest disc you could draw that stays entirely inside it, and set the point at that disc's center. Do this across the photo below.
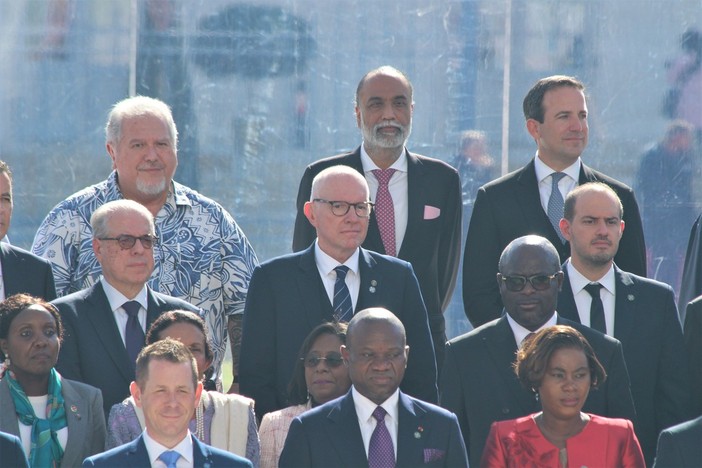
(417, 213)
(639, 312)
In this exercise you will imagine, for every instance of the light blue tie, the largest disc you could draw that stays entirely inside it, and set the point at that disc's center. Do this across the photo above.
(555, 204)
(169, 457)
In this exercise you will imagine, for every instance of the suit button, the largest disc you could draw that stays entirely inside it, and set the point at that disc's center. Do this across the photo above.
(505, 410)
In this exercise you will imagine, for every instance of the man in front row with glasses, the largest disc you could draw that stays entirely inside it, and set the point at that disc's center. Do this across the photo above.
(288, 296)
(105, 324)
(478, 381)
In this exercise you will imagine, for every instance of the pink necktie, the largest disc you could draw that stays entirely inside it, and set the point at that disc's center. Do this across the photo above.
(381, 453)
(385, 210)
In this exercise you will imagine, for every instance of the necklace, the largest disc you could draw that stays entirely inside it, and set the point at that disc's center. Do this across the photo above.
(200, 421)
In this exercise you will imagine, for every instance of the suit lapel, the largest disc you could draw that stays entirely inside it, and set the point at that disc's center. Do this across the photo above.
(410, 449)
(624, 306)
(371, 281)
(76, 416)
(317, 307)
(97, 311)
(500, 344)
(201, 454)
(11, 283)
(416, 179)
(345, 434)
(566, 301)
(8, 416)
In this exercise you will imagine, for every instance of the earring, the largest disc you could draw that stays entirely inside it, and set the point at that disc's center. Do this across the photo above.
(7, 362)
(536, 394)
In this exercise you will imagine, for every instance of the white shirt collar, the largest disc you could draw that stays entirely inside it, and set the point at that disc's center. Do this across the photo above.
(155, 449)
(326, 264)
(520, 332)
(117, 299)
(578, 281)
(543, 171)
(365, 407)
(368, 165)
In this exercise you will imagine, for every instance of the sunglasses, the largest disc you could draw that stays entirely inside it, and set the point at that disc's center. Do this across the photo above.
(332, 360)
(517, 283)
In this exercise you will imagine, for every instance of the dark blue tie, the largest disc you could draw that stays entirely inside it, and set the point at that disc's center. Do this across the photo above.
(343, 309)
(133, 333)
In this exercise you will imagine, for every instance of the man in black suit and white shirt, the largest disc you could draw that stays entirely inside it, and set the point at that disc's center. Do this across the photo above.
(518, 203)
(639, 312)
(105, 324)
(423, 194)
(20, 271)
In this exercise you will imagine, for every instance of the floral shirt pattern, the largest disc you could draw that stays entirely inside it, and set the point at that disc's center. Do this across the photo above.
(202, 256)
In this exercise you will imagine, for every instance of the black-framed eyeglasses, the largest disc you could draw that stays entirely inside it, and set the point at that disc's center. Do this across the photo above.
(340, 208)
(126, 241)
(331, 359)
(517, 283)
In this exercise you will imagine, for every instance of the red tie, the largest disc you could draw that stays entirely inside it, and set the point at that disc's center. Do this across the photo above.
(385, 210)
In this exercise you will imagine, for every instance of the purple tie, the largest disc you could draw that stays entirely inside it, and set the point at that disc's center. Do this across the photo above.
(385, 210)
(133, 333)
(381, 453)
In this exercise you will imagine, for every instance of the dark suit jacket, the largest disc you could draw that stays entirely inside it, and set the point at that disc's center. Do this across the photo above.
(24, 272)
(680, 446)
(287, 299)
(646, 322)
(693, 345)
(432, 246)
(510, 207)
(135, 455)
(478, 382)
(84, 416)
(329, 435)
(92, 350)
(11, 452)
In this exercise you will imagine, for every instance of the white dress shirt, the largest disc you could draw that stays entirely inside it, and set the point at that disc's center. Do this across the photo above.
(117, 299)
(326, 265)
(366, 421)
(184, 448)
(520, 333)
(565, 185)
(398, 191)
(583, 299)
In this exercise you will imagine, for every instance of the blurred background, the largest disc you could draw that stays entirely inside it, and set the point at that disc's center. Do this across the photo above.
(260, 89)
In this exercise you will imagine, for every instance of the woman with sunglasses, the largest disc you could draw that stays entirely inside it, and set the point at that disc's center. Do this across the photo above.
(225, 421)
(560, 367)
(319, 376)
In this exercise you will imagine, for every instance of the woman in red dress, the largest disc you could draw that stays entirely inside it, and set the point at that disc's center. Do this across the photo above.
(560, 367)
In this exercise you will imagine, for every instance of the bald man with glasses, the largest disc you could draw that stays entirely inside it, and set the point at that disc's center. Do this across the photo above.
(290, 295)
(105, 324)
(478, 381)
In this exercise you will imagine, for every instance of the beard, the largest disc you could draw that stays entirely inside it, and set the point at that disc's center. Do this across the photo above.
(375, 138)
(151, 189)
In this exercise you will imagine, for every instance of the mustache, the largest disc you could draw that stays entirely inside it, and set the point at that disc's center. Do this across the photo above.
(387, 123)
(148, 165)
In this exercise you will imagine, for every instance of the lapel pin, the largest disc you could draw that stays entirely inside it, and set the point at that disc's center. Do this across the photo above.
(630, 297)
(74, 409)
(374, 283)
(418, 432)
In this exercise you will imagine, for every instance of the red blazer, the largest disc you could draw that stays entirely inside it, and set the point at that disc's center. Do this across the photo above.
(603, 442)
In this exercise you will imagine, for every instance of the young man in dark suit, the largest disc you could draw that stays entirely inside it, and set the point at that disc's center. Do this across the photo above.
(106, 323)
(375, 424)
(292, 294)
(639, 312)
(679, 446)
(478, 381)
(168, 391)
(424, 194)
(524, 202)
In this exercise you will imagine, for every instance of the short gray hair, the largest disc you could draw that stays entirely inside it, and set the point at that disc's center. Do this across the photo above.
(336, 171)
(101, 216)
(138, 106)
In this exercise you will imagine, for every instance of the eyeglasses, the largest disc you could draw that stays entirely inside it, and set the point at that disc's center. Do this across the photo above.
(332, 360)
(126, 241)
(340, 208)
(538, 282)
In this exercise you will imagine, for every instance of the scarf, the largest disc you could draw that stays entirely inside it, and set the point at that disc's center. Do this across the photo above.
(45, 449)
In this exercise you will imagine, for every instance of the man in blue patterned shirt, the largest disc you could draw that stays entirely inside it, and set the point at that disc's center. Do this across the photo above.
(202, 256)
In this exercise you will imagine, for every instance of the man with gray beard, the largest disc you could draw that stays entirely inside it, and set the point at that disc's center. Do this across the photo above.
(200, 254)
(417, 213)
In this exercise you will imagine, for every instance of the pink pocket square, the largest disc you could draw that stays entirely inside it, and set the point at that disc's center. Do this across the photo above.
(431, 212)
(432, 455)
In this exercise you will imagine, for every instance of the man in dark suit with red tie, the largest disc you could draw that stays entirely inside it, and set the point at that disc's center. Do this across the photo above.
(417, 214)
(105, 324)
(524, 202)
(639, 312)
